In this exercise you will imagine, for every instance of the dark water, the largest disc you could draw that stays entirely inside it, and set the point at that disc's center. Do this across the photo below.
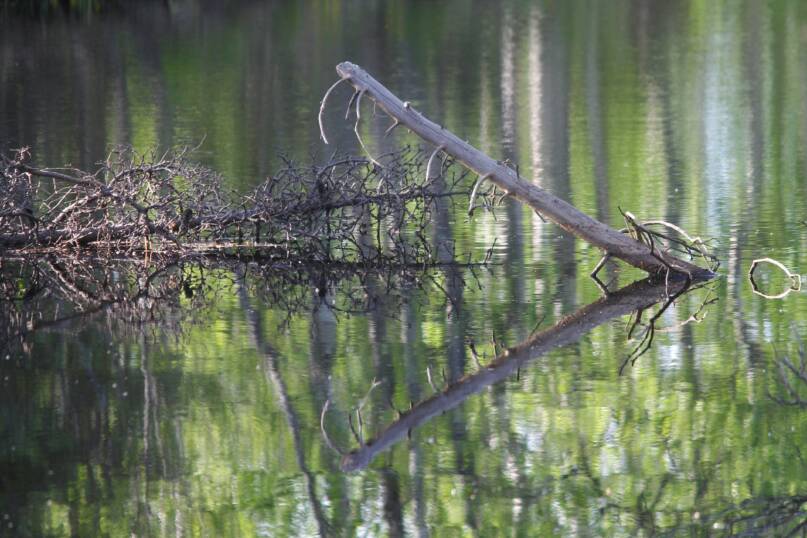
(206, 420)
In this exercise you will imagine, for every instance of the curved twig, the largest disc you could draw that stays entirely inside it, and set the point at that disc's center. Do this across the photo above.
(322, 108)
(358, 135)
(437, 150)
(324, 431)
(479, 181)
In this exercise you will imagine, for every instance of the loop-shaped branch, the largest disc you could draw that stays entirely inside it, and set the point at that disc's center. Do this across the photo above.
(795, 278)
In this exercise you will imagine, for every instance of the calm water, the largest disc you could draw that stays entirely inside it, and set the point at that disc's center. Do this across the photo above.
(205, 420)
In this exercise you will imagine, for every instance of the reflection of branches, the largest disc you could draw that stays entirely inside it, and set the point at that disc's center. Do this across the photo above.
(58, 293)
(697, 316)
(789, 374)
(764, 516)
(569, 329)
(273, 374)
(649, 329)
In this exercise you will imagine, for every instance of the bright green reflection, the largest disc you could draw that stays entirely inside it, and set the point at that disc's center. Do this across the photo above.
(689, 111)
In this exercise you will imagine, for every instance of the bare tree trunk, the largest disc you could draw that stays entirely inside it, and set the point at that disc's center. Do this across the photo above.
(559, 211)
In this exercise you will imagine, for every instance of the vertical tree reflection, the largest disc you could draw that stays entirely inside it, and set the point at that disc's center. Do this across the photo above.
(272, 372)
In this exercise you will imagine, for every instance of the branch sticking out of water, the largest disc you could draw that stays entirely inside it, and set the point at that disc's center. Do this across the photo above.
(508, 179)
(137, 203)
(795, 278)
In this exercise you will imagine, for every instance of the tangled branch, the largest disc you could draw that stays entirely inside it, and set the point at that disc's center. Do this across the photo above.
(345, 210)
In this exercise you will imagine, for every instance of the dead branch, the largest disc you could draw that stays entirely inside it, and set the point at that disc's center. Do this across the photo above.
(166, 203)
(795, 278)
(562, 213)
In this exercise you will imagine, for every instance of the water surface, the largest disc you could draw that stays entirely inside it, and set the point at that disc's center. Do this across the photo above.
(205, 420)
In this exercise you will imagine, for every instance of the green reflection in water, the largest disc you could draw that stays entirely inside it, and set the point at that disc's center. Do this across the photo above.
(689, 111)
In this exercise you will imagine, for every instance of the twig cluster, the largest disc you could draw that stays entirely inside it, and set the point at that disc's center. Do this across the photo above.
(676, 241)
(348, 209)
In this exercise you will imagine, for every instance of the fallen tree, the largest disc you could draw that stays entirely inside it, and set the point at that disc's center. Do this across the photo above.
(350, 208)
(639, 247)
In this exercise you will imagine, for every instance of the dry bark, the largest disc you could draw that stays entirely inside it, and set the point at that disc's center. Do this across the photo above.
(614, 243)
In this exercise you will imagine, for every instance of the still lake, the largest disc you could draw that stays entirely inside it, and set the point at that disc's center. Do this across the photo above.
(207, 421)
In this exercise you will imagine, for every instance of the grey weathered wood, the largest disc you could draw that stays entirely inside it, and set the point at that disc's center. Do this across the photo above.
(559, 211)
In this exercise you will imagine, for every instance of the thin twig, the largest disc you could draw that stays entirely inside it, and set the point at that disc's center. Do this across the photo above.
(322, 108)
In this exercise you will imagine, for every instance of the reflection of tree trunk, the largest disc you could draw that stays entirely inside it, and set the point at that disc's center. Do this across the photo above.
(323, 349)
(535, 81)
(272, 372)
(596, 132)
(143, 508)
(121, 122)
(569, 329)
(555, 150)
(385, 374)
(454, 287)
(455, 342)
(92, 132)
(393, 514)
(73, 520)
(411, 337)
(514, 260)
(323, 342)
(736, 273)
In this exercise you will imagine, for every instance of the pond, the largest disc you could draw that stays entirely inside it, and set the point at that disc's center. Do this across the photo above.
(200, 411)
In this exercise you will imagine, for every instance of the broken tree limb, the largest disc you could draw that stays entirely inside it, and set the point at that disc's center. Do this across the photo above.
(565, 215)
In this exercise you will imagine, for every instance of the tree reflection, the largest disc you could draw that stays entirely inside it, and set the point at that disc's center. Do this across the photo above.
(637, 296)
